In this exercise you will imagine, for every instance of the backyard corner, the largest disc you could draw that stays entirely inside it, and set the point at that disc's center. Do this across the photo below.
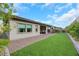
(36, 32)
(56, 45)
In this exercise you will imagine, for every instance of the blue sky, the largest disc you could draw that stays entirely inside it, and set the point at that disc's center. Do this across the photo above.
(57, 14)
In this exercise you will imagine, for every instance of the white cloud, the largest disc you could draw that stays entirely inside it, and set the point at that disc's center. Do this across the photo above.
(51, 19)
(47, 21)
(68, 15)
(46, 5)
(65, 6)
(33, 4)
(19, 7)
(77, 6)
(68, 18)
(55, 16)
(58, 9)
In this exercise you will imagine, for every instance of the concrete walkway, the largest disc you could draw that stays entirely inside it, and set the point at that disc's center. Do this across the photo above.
(76, 44)
(18, 44)
(6, 51)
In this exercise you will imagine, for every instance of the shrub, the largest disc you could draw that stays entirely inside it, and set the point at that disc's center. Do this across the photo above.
(4, 42)
(73, 29)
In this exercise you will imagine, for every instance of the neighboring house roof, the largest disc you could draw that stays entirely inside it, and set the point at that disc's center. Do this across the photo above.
(28, 20)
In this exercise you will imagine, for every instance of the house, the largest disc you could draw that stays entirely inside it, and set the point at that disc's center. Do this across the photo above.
(57, 29)
(24, 28)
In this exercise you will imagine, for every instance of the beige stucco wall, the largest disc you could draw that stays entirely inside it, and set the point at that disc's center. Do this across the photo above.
(47, 27)
(15, 35)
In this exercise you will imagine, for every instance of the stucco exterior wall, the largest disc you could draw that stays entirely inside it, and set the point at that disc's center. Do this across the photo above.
(47, 27)
(15, 35)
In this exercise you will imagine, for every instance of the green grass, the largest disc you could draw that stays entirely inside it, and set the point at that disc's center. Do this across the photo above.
(57, 45)
(3, 42)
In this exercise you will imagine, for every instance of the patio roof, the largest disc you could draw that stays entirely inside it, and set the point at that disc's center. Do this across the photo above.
(18, 18)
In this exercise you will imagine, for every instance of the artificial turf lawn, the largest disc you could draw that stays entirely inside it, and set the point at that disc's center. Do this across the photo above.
(55, 45)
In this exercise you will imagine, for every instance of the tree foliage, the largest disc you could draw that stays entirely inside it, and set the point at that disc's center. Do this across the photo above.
(73, 29)
(6, 11)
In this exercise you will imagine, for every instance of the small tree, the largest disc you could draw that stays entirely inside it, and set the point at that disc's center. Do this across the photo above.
(77, 33)
(6, 11)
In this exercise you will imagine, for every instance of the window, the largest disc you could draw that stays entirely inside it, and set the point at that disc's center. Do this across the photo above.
(29, 27)
(21, 27)
(36, 28)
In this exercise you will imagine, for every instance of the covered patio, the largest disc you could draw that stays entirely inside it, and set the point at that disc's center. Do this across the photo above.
(42, 29)
(45, 29)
